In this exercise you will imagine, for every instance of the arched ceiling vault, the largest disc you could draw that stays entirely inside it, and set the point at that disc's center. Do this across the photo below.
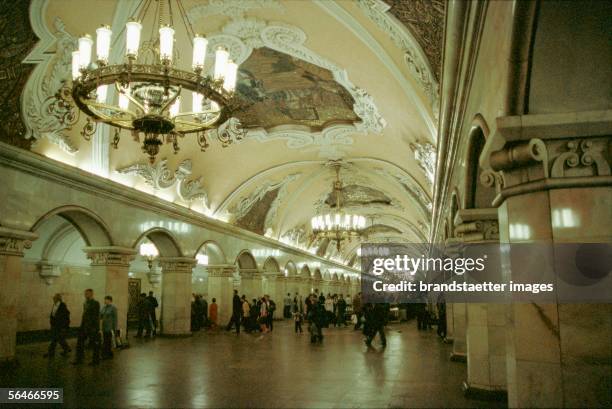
(363, 91)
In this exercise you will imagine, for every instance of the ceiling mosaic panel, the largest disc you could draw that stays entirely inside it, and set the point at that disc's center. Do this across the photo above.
(16, 41)
(356, 195)
(255, 219)
(425, 19)
(285, 90)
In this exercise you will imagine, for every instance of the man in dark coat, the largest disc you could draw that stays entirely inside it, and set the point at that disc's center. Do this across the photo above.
(236, 313)
(144, 316)
(90, 329)
(154, 305)
(60, 322)
(376, 316)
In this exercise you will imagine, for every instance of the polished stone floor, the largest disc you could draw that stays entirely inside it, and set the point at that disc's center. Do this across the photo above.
(280, 369)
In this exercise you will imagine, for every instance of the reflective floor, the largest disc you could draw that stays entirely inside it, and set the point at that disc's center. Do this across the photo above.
(280, 369)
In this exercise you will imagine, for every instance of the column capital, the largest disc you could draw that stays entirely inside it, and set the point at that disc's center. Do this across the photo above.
(249, 273)
(110, 255)
(476, 225)
(550, 151)
(220, 270)
(13, 242)
(183, 265)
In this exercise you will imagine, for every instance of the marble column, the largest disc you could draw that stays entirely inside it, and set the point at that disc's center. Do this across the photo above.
(485, 323)
(251, 283)
(12, 244)
(555, 187)
(113, 263)
(458, 313)
(221, 287)
(176, 295)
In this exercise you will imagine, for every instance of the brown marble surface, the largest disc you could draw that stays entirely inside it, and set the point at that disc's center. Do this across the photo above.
(280, 369)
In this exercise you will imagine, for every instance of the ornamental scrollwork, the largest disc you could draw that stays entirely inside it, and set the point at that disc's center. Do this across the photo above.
(159, 176)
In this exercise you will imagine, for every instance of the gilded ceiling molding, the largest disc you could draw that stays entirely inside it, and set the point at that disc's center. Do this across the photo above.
(425, 154)
(231, 8)
(344, 17)
(160, 177)
(52, 54)
(241, 35)
(416, 60)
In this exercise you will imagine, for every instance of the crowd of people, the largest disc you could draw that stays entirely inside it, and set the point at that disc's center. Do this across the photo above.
(99, 324)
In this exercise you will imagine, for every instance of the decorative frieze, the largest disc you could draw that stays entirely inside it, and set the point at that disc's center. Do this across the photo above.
(551, 151)
(159, 176)
(476, 225)
(14, 242)
(110, 256)
(177, 265)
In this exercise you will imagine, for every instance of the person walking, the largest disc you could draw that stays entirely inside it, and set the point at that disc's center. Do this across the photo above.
(271, 310)
(246, 314)
(287, 306)
(316, 317)
(376, 316)
(89, 329)
(60, 322)
(236, 313)
(342, 311)
(144, 316)
(263, 315)
(213, 311)
(108, 315)
(298, 317)
(357, 310)
(154, 304)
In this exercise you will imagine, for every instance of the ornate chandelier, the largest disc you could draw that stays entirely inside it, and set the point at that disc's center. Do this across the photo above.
(337, 225)
(150, 89)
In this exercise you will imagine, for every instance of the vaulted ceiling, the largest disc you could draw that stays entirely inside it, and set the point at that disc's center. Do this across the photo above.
(354, 81)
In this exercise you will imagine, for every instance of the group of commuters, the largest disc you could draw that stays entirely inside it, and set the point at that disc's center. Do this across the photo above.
(147, 316)
(257, 315)
(97, 320)
(94, 319)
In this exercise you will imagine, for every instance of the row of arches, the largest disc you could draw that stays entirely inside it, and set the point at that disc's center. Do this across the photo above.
(94, 232)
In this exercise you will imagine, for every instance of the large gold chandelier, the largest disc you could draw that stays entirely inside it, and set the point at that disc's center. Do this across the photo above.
(337, 225)
(151, 90)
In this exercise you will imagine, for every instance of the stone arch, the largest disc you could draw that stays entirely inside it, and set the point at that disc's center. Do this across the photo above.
(246, 261)
(476, 195)
(91, 227)
(305, 271)
(164, 240)
(317, 274)
(454, 208)
(212, 249)
(290, 269)
(271, 265)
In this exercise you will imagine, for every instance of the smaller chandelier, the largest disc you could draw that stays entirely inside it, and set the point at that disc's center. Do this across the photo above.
(151, 90)
(337, 225)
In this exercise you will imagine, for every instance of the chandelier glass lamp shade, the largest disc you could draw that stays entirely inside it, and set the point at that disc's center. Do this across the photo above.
(153, 98)
(337, 225)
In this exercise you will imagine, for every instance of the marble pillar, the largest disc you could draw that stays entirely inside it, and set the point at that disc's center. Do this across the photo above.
(176, 295)
(459, 353)
(485, 323)
(221, 287)
(12, 244)
(555, 187)
(113, 263)
(251, 284)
